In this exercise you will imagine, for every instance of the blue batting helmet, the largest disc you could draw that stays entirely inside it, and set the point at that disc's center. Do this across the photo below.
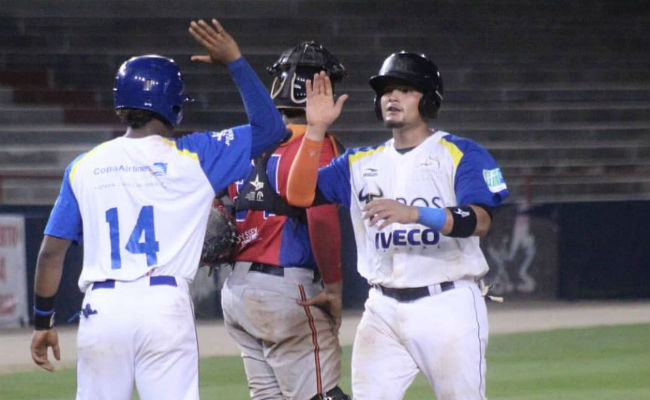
(153, 83)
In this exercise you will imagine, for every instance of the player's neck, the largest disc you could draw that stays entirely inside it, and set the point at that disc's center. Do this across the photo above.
(153, 127)
(411, 137)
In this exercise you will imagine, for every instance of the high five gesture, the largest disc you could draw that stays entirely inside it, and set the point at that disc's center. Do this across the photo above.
(321, 110)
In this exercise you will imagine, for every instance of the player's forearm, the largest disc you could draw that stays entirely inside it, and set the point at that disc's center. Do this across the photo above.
(267, 127)
(316, 132)
(456, 221)
(325, 238)
(483, 221)
(335, 288)
(303, 175)
(49, 266)
(436, 218)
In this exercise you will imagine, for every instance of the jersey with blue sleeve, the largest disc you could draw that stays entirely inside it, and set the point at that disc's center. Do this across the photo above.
(141, 204)
(443, 171)
(270, 238)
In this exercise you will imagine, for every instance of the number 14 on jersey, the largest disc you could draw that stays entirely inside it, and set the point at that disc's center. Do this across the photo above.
(141, 241)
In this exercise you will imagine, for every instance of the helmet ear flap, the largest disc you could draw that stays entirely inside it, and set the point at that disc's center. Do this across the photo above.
(428, 106)
(378, 112)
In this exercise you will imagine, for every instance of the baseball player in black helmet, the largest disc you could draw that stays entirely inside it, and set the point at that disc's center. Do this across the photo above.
(419, 203)
(413, 70)
(282, 303)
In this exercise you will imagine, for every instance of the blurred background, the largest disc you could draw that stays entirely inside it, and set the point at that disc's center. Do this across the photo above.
(557, 91)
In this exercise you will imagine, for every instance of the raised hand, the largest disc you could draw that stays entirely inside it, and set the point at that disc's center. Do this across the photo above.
(221, 47)
(321, 110)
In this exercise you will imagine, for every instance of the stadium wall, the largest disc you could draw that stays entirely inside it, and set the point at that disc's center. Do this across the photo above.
(567, 251)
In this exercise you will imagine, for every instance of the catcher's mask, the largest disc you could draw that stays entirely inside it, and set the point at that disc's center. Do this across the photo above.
(297, 65)
(153, 83)
(413, 70)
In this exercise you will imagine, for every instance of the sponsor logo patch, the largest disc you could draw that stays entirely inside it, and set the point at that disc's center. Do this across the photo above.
(403, 237)
(494, 180)
(159, 169)
(369, 192)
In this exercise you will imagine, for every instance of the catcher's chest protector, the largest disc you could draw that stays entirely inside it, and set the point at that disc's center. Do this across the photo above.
(258, 194)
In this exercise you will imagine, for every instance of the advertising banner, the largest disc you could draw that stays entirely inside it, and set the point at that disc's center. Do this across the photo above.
(13, 280)
(522, 251)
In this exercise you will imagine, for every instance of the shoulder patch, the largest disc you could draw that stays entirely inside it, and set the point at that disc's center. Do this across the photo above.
(494, 180)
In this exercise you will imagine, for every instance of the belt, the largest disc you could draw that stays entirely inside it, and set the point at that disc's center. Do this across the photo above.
(156, 280)
(410, 294)
(277, 270)
(266, 269)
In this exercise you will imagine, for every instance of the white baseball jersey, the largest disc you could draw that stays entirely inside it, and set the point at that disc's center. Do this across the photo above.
(141, 204)
(141, 207)
(443, 171)
(443, 334)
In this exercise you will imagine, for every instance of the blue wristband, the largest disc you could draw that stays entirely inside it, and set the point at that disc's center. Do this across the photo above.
(432, 217)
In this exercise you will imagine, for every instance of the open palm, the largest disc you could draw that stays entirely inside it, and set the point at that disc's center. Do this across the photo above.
(321, 110)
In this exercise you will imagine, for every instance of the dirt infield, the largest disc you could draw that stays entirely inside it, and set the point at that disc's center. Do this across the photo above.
(509, 317)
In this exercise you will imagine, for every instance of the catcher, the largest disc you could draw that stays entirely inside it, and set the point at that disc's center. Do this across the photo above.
(282, 302)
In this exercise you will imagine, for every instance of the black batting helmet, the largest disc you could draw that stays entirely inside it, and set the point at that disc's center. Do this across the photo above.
(295, 66)
(414, 70)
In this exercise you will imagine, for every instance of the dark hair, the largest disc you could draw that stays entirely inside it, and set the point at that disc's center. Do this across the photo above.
(136, 118)
(292, 112)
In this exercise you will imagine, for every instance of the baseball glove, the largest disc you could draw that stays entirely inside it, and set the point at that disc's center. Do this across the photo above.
(220, 240)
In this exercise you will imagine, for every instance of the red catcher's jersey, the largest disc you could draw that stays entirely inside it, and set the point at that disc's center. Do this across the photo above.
(276, 239)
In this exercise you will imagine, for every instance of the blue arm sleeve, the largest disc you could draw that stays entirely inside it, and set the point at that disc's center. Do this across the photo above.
(334, 181)
(267, 127)
(65, 218)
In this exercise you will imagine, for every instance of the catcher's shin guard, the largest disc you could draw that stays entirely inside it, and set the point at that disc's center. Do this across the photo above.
(334, 394)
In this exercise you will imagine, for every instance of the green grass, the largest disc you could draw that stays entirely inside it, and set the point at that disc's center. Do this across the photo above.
(574, 364)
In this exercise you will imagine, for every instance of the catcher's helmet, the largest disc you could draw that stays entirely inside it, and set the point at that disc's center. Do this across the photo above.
(414, 70)
(153, 83)
(295, 66)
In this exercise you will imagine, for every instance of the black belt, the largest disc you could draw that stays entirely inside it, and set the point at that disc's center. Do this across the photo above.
(153, 281)
(266, 269)
(276, 270)
(410, 294)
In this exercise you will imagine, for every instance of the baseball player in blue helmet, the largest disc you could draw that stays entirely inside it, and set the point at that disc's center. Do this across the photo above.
(153, 83)
(419, 203)
(140, 204)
